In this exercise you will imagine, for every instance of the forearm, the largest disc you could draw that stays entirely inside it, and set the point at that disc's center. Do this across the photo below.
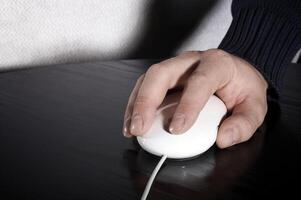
(266, 33)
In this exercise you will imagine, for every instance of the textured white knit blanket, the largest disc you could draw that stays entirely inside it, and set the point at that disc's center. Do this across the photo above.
(39, 32)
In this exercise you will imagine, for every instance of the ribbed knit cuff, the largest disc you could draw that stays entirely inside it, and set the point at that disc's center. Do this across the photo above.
(267, 41)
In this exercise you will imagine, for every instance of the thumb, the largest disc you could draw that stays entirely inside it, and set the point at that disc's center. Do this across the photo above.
(242, 124)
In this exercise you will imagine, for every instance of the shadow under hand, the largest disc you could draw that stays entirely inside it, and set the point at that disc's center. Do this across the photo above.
(207, 176)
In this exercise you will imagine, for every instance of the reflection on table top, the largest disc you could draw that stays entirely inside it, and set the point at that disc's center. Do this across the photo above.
(60, 138)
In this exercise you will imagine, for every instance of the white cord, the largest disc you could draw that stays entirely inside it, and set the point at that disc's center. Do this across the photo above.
(152, 177)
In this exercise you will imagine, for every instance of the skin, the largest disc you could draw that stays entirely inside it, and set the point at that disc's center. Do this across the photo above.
(201, 74)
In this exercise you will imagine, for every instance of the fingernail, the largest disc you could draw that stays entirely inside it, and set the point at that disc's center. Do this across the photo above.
(125, 129)
(177, 123)
(136, 124)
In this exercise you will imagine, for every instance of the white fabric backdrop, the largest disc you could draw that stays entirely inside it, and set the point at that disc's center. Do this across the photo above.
(39, 32)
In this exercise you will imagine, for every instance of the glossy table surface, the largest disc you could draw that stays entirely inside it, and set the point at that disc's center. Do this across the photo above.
(60, 138)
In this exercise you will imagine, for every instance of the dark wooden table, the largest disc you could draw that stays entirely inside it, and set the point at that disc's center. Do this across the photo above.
(60, 138)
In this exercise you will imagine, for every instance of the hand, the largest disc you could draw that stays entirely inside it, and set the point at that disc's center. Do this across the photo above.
(200, 73)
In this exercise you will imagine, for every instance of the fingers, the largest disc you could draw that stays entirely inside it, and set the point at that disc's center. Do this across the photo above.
(243, 122)
(129, 107)
(202, 83)
(157, 81)
(199, 87)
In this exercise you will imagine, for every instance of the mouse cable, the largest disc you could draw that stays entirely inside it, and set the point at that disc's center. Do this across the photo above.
(152, 177)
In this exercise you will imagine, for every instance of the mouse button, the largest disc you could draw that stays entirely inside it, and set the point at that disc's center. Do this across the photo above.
(217, 105)
(211, 115)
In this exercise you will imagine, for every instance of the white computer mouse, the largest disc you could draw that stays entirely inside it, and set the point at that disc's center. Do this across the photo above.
(198, 139)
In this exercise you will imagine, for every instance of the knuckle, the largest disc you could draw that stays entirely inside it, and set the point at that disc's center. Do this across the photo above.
(156, 69)
(217, 52)
(160, 73)
(142, 101)
(193, 54)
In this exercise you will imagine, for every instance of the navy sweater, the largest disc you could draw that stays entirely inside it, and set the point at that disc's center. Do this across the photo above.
(266, 33)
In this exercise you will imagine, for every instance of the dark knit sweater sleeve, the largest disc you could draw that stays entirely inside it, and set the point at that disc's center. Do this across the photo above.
(266, 33)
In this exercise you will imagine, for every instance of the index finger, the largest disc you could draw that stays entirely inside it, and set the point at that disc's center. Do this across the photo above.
(157, 81)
